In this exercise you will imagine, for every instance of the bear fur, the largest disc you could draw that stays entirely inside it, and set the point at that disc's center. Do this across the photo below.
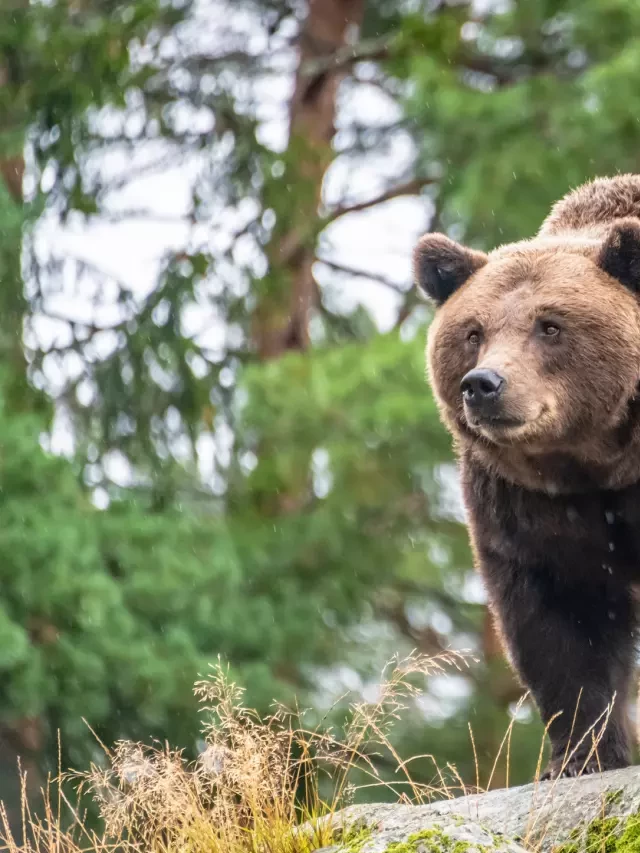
(534, 359)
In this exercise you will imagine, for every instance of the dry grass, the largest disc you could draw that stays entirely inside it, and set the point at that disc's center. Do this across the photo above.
(255, 784)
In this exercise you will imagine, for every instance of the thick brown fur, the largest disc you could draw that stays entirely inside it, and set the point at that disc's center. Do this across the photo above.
(551, 470)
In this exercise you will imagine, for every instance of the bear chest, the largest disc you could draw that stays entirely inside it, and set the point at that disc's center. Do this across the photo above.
(593, 535)
(585, 533)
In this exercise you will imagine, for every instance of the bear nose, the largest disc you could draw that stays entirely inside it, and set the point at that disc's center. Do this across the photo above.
(481, 387)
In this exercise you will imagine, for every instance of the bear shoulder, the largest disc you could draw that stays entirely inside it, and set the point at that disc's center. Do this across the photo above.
(594, 205)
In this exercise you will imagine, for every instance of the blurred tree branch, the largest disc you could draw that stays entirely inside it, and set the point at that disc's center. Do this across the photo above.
(356, 273)
(410, 187)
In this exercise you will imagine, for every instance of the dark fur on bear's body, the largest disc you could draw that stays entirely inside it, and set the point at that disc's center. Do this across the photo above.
(551, 478)
(558, 572)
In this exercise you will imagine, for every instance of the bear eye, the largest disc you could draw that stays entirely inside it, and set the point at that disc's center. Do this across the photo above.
(473, 338)
(549, 329)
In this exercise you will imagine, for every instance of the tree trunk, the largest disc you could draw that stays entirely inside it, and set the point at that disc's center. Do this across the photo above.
(19, 395)
(288, 291)
(20, 739)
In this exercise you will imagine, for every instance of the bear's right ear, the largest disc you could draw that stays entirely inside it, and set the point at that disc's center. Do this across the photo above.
(620, 254)
(441, 265)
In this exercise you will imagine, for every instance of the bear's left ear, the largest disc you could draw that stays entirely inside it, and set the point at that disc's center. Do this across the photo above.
(441, 265)
(620, 254)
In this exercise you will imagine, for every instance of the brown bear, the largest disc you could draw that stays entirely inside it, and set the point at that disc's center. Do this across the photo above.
(534, 359)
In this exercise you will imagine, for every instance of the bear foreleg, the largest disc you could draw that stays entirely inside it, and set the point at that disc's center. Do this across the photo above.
(573, 646)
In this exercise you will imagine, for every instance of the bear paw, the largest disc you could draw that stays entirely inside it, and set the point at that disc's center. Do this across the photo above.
(579, 765)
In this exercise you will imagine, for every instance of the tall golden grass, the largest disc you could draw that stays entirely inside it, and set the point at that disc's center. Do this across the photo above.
(258, 785)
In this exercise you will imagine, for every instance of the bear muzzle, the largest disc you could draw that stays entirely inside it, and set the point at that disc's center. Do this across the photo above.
(483, 396)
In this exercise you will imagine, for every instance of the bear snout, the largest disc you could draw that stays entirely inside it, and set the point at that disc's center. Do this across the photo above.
(482, 390)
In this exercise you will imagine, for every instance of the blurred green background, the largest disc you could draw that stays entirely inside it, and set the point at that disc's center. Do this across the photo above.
(215, 433)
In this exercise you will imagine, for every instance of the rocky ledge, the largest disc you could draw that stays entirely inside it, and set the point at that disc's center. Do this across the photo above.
(592, 814)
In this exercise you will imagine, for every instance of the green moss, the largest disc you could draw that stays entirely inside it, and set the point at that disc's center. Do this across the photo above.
(613, 797)
(629, 841)
(433, 840)
(463, 847)
(428, 840)
(602, 836)
(605, 835)
(569, 847)
(354, 838)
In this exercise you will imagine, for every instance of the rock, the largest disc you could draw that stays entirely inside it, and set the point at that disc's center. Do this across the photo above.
(540, 816)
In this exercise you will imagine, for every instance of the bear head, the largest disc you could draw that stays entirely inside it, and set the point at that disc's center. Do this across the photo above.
(536, 346)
